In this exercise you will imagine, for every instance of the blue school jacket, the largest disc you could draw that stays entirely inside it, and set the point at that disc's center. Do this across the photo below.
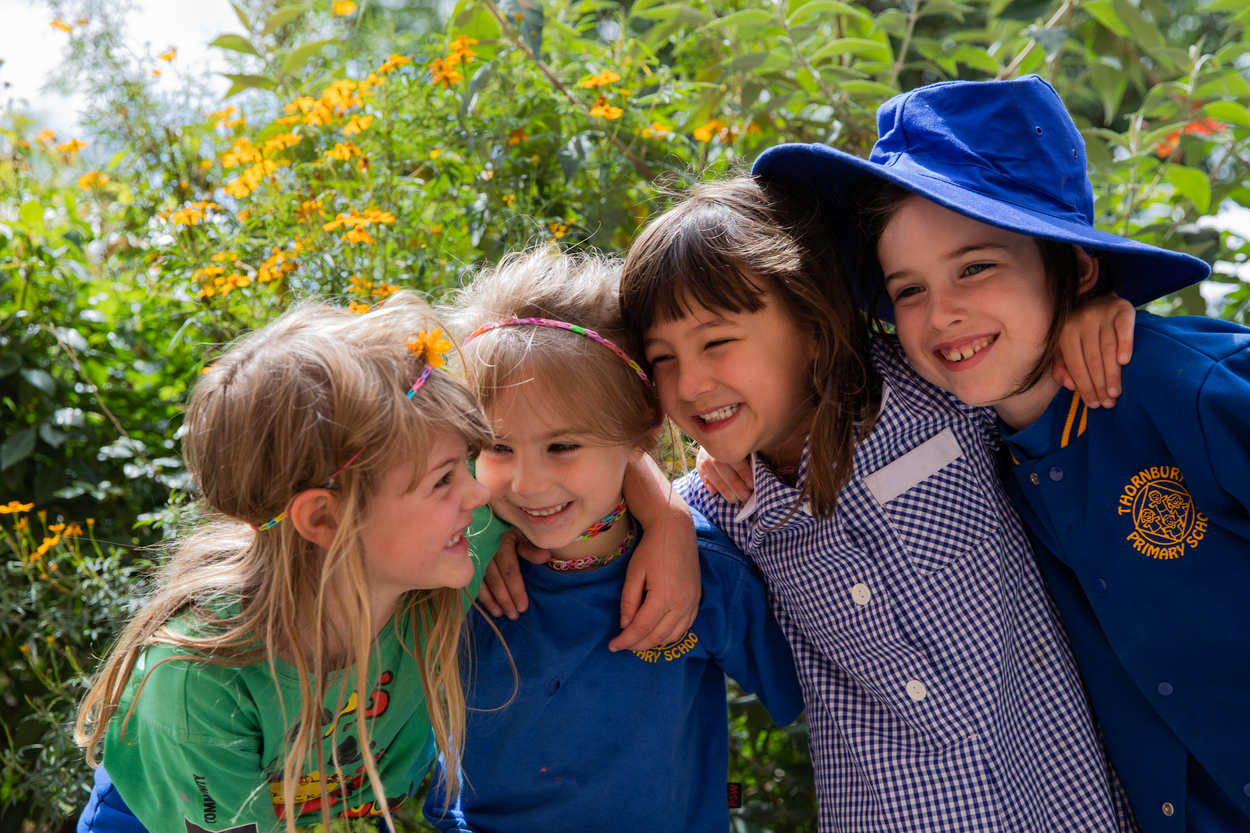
(1139, 518)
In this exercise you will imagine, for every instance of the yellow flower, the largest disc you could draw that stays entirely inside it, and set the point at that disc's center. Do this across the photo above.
(557, 229)
(358, 308)
(444, 73)
(339, 95)
(187, 216)
(73, 531)
(48, 543)
(222, 256)
(601, 80)
(460, 51)
(343, 8)
(534, 159)
(282, 141)
(487, 175)
(22, 523)
(358, 235)
(244, 214)
(393, 62)
(343, 151)
(170, 55)
(602, 108)
(508, 199)
(90, 523)
(157, 73)
(61, 24)
(429, 348)
(306, 209)
(705, 132)
(357, 124)
(56, 527)
(517, 136)
(14, 507)
(434, 154)
(72, 146)
(656, 131)
(83, 21)
(385, 290)
(46, 137)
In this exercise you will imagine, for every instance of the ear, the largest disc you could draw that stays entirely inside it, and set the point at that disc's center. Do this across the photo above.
(1087, 268)
(315, 513)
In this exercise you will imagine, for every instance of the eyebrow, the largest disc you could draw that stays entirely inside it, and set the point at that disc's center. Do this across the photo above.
(958, 253)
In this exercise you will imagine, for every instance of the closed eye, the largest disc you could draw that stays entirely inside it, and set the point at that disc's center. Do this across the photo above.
(499, 448)
(562, 448)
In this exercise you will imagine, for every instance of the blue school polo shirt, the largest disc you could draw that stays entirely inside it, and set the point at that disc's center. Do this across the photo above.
(1139, 520)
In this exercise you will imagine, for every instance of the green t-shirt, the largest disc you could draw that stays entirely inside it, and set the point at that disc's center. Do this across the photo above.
(204, 747)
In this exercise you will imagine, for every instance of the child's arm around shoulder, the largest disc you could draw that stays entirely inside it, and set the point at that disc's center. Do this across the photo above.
(1096, 341)
(750, 648)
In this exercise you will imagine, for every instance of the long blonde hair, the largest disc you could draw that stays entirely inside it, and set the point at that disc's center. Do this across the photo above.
(281, 411)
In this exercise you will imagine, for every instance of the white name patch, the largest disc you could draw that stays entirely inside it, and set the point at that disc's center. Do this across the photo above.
(917, 465)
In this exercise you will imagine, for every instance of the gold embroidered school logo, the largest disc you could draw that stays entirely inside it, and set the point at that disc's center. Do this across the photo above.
(1165, 519)
(671, 651)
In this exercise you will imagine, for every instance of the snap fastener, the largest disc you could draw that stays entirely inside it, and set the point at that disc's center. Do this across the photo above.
(1168, 809)
(1245, 788)
(1165, 688)
(916, 690)
(1033, 478)
(860, 594)
(1056, 473)
(1100, 585)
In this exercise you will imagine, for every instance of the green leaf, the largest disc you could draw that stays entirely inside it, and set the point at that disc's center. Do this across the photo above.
(825, 6)
(300, 56)
(40, 379)
(1193, 184)
(238, 10)
(676, 12)
(976, 58)
(747, 17)
(31, 213)
(528, 17)
(1142, 29)
(239, 83)
(868, 89)
(1110, 84)
(760, 61)
(870, 49)
(236, 43)
(51, 436)
(1104, 14)
(282, 17)
(17, 448)
(1228, 111)
(9, 362)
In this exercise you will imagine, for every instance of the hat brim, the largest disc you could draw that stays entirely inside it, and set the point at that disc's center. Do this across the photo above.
(1141, 272)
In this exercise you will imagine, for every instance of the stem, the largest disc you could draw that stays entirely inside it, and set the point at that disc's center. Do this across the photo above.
(519, 42)
(902, 52)
(1065, 9)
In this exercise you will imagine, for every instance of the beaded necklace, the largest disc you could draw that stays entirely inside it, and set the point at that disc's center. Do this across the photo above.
(590, 561)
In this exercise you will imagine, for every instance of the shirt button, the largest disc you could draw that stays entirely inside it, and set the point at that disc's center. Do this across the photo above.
(1165, 688)
(1056, 473)
(860, 594)
(916, 690)
(1100, 585)
(1168, 809)
(1245, 788)
(1033, 478)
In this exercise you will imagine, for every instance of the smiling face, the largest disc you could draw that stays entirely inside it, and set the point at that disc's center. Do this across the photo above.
(550, 478)
(736, 382)
(972, 306)
(414, 538)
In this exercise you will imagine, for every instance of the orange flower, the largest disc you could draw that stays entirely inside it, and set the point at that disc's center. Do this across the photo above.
(601, 80)
(1197, 127)
(73, 531)
(443, 73)
(517, 136)
(705, 132)
(429, 348)
(656, 131)
(557, 229)
(358, 308)
(61, 24)
(13, 507)
(394, 62)
(72, 146)
(343, 8)
(170, 55)
(357, 124)
(602, 108)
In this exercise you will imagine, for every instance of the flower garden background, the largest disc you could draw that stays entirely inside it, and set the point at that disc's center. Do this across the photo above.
(372, 145)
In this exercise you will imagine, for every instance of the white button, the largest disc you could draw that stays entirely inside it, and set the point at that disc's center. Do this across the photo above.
(916, 690)
(860, 594)
(806, 507)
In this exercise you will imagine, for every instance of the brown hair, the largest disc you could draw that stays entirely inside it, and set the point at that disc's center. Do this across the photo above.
(726, 245)
(586, 381)
(277, 414)
(874, 202)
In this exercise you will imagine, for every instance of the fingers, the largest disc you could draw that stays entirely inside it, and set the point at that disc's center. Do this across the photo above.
(730, 481)
(1059, 372)
(1110, 349)
(503, 589)
(484, 595)
(631, 596)
(529, 552)
(1125, 319)
(650, 628)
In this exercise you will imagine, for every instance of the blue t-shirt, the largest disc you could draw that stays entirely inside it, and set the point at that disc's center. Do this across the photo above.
(1140, 524)
(596, 740)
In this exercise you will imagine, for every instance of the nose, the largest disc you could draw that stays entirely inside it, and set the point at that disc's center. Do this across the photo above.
(529, 478)
(693, 380)
(475, 495)
(945, 307)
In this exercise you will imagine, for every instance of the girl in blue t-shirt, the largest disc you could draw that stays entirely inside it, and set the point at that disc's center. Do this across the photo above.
(561, 730)
(975, 215)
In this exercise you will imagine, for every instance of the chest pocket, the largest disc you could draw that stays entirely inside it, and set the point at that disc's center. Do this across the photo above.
(934, 502)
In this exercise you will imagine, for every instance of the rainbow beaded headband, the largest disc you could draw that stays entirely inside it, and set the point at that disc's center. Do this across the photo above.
(430, 348)
(573, 328)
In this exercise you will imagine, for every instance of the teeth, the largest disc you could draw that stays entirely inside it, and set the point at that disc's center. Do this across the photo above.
(545, 512)
(454, 540)
(721, 413)
(967, 351)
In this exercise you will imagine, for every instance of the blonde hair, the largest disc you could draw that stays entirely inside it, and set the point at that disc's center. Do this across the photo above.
(584, 380)
(283, 409)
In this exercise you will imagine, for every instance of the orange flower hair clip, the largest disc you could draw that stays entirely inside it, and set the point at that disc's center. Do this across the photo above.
(429, 348)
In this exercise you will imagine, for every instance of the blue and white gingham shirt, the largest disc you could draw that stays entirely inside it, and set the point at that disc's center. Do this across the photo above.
(941, 692)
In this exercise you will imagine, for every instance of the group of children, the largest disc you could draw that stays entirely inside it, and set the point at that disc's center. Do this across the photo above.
(1000, 608)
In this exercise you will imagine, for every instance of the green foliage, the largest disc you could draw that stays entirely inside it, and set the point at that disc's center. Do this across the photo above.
(374, 146)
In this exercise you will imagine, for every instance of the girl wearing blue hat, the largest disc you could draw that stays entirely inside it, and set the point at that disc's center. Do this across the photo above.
(940, 690)
(977, 235)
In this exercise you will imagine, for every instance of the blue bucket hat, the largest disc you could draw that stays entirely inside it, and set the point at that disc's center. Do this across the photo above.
(1005, 153)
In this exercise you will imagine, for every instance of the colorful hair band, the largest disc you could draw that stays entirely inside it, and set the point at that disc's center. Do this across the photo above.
(274, 521)
(573, 328)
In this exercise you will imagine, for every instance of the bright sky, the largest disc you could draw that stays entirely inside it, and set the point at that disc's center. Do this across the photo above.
(31, 49)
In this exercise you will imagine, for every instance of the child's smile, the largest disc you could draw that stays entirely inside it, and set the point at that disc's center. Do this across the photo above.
(972, 306)
(735, 382)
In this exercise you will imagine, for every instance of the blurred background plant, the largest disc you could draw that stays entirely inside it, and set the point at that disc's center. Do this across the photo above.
(371, 145)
